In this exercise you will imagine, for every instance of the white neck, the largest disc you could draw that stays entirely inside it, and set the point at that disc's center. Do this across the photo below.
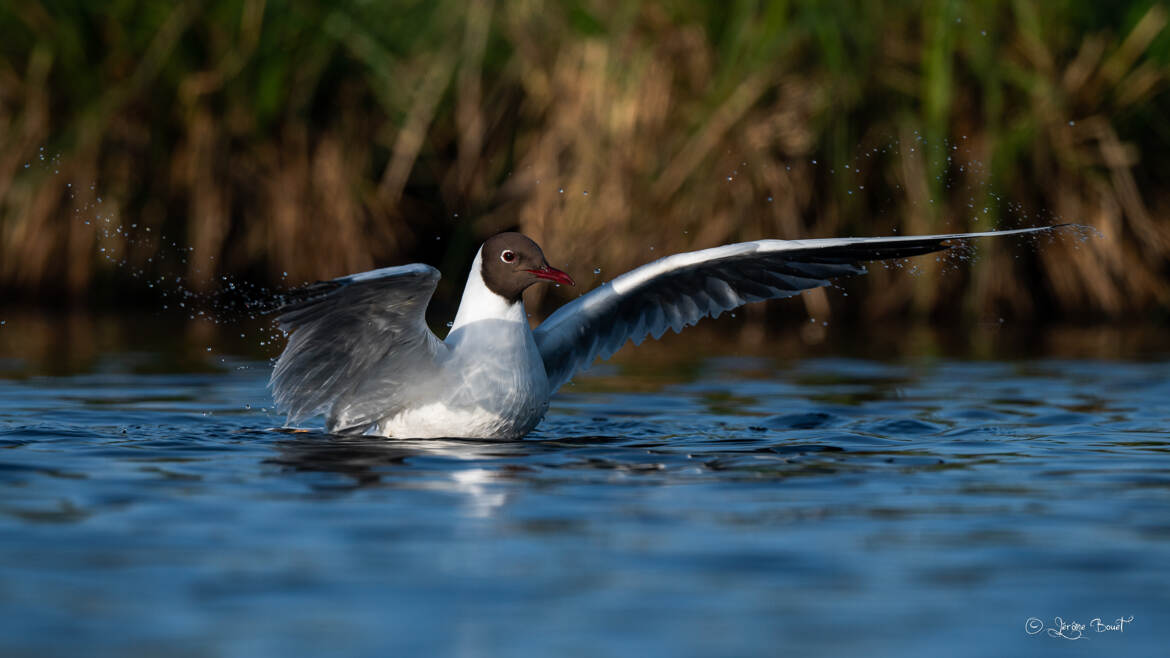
(480, 303)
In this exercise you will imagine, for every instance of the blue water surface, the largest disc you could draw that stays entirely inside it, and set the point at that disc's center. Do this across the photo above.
(719, 502)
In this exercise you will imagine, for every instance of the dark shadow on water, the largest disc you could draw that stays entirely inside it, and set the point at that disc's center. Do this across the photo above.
(376, 461)
(796, 453)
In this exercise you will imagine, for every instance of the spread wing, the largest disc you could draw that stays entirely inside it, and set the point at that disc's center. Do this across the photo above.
(356, 344)
(678, 291)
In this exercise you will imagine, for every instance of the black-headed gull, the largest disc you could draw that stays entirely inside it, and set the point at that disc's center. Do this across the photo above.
(361, 353)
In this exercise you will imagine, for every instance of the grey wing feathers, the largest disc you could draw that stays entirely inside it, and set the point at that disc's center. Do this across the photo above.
(354, 343)
(678, 291)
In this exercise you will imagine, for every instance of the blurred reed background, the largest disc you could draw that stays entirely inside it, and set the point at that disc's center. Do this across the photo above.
(319, 138)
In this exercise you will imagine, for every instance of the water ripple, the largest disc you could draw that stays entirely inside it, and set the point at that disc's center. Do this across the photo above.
(748, 496)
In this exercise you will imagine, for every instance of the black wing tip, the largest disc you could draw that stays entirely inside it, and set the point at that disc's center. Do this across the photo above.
(910, 246)
(854, 254)
(1024, 230)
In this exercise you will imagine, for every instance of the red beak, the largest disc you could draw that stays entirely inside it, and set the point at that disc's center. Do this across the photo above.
(553, 274)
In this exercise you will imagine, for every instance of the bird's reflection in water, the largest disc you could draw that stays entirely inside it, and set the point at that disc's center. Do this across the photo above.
(380, 462)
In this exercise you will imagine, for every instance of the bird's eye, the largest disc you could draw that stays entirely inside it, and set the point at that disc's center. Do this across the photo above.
(508, 256)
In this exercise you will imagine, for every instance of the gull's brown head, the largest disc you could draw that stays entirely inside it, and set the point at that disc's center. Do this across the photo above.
(512, 262)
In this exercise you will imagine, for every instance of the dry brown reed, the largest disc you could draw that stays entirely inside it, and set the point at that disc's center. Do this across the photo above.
(316, 139)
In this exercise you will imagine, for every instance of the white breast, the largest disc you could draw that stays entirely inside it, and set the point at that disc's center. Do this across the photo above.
(492, 384)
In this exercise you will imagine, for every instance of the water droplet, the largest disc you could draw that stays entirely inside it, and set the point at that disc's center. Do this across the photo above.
(597, 270)
(561, 190)
(585, 193)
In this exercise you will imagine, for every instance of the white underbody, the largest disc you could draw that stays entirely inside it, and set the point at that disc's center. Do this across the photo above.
(490, 383)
